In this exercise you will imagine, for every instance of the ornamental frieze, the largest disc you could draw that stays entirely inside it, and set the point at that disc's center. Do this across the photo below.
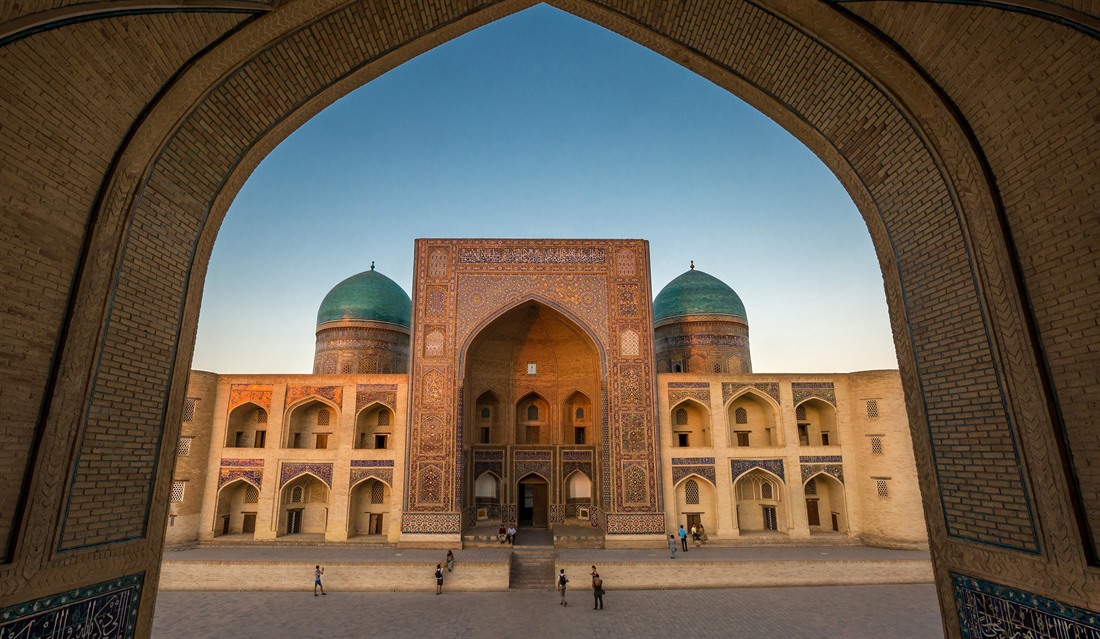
(293, 470)
(385, 475)
(365, 394)
(258, 394)
(739, 467)
(532, 255)
(730, 389)
(295, 394)
(804, 390)
(835, 470)
(680, 472)
(254, 476)
(703, 340)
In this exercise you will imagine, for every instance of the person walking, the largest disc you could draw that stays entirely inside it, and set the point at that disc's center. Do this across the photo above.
(672, 546)
(683, 538)
(439, 579)
(562, 581)
(317, 572)
(450, 561)
(597, 591)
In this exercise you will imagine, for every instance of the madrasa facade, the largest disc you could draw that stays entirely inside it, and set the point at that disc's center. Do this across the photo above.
(534, 383)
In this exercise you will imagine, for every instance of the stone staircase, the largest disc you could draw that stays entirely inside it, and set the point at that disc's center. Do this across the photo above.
(532, 568)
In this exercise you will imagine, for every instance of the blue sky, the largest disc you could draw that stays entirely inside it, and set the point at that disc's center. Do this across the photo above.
(544, 125)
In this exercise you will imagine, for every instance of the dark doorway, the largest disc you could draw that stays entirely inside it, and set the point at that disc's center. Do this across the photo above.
(770, 521)
(375, 526)
(836, 522)
(811, 512)
(533, 497)
(694, 519)
(294, 521)
(225, 524)
(249, 525)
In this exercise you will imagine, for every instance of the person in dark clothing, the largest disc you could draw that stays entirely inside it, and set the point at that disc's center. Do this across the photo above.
(597, 592)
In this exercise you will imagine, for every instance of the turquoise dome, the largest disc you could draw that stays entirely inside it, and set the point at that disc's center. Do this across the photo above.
(696, 293)
(368, 296)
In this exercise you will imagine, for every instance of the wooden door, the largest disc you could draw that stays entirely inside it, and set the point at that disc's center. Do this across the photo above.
(811, 512)
(375, 527)
(836, 522)
(225, 524)
(249, 525)
(540, 518)
(694, 519)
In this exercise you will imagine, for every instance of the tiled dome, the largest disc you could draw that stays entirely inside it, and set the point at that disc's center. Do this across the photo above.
(696, 293)
(368, 296)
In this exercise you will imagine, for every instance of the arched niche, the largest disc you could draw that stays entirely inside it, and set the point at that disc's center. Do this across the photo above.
(690, 425)
(303, 506)
(753, 421)
(486, 420)
(826, 507)
(577, 425)
(758, 500)
(696, 503)
(374, 427)
(533, 420)
(246, 427)
(369, 506)
(312, 424)
(816, 421)
(235, 512)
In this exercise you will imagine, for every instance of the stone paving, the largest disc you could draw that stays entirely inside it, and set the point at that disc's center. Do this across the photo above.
(878, 612)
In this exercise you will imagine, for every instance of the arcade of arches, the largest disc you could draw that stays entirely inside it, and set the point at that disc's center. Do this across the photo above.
(964, 131)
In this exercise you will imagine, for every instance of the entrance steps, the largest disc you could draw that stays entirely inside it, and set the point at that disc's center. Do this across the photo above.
(532, 568)
(293, 541)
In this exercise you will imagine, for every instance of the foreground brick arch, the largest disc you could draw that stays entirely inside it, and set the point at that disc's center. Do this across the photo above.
(965, 134)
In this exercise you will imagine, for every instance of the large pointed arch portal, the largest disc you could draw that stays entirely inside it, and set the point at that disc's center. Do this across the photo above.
(473, 297)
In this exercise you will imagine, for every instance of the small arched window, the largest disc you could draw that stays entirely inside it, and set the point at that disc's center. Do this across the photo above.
(251, 495)
(261, 416)
(691, 491)
(811, 487)
(741, 416)
(322, 417)
(532, 413)
(767, 491)
(681, 417)
(377, 492)
(296, 494)
(800, 412)
(383, 417)
(580, 413)
(485, 413)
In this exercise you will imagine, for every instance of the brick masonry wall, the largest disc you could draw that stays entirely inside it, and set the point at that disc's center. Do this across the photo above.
(929, 180)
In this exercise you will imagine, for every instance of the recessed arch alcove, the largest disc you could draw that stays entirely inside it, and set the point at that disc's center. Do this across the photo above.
(963, 132)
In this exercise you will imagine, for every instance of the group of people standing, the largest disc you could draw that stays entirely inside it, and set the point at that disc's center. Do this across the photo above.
(561, 582)
(698, 535)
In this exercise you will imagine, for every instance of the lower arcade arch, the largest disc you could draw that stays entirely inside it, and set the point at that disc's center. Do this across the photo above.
(369, 508)
(696, 503)
(303, 506)
(759, 504)
(826, 506)
(235, 513)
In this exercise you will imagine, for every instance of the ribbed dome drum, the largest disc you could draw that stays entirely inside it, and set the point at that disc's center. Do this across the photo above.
(363, 326)
(700, 326)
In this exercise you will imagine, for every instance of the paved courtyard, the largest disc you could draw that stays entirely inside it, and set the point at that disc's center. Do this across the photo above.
(859, 612)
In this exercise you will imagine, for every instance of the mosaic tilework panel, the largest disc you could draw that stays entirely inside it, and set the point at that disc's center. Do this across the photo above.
(365, 394)
(291, 470)
(297, 393)
(805, 390)
(259, 394)
(567, 468)
(524, 468)
(488, 455)
(383, 474)
(739, 467)
(836, 470)
(820, 459)
(372, 463)
(106, 610)
(576, 455)
(730, 389)
(635, 523)
(534, 455)
(428, 523)
(679, 472)
(991, 610)
(254, 476)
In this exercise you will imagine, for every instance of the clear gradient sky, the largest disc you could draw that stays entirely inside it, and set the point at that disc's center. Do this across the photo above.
(544, 125)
